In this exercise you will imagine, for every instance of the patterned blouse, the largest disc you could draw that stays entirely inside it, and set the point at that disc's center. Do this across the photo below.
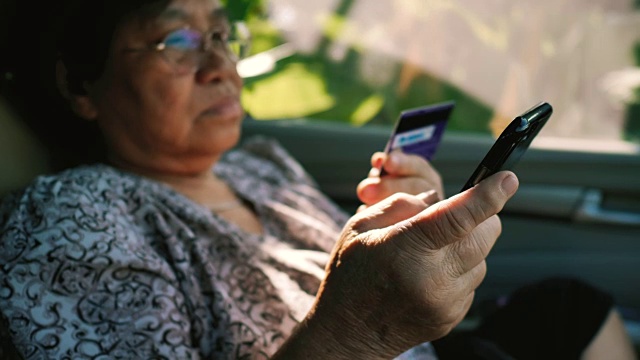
(99, 263)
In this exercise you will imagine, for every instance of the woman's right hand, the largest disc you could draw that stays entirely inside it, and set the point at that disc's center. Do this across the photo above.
(402, 273)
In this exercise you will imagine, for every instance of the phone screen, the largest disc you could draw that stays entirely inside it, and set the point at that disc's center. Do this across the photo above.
(511, 144)
(419, 131)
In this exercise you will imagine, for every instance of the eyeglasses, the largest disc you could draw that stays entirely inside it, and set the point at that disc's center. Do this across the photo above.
(187, 49)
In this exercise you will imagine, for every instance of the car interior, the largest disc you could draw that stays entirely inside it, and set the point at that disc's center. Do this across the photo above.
(576, 213)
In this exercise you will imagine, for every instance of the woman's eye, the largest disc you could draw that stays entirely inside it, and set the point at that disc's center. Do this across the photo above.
(183, 39)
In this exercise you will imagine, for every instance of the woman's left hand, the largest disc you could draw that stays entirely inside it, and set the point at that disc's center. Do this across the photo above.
(406, 173)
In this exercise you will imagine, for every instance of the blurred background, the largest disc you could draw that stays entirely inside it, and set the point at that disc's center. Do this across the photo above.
(362, 61)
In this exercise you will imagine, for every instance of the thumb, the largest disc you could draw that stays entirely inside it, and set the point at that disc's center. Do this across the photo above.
(453, 219)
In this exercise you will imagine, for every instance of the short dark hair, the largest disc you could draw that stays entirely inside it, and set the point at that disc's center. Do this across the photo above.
(78, 32)
(86, 34)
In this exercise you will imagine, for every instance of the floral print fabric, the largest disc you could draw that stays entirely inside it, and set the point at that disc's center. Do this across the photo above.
(99, 263)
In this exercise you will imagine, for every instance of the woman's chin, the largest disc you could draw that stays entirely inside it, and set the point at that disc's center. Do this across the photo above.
(226, 139)
(223, 133)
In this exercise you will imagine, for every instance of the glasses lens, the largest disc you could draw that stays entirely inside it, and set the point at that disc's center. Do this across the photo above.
(181, 48)
(186, 49)
(183, 39)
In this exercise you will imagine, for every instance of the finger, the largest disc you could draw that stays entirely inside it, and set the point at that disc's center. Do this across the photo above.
(473, 278)
(468, 301)
(471, 281)
(401, 164)
(377, 159)
(373, 190)
(466, 286)
(456, 314)
(429, 197)
(466, 254)
(477, 274)
(374, 173)
(467, 305)
(390, 211)
(368, 190)
(453, 219)
(459, 302)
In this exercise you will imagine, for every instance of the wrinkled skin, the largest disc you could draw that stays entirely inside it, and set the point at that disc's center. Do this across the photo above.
(405, 268)
(406, 173)
(403, 272)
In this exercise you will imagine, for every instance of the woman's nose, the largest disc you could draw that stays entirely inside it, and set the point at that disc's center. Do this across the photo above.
(215, 64)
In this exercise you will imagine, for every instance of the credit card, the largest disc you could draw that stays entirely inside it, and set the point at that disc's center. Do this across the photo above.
(419, 130)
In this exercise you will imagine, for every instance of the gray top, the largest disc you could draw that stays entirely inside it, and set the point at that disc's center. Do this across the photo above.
(100, 263)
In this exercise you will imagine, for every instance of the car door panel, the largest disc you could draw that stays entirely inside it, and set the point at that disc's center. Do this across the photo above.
(575, 213)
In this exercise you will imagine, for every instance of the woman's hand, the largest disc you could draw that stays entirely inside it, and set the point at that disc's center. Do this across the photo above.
(403, 272)
(406, 173)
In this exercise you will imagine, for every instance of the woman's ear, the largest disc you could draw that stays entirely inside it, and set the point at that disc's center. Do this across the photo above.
(80, 104)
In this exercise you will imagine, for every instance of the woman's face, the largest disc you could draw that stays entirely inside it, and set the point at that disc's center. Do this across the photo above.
(155, 119)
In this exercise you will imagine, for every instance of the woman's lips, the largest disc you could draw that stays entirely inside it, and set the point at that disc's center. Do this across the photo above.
(227, 108)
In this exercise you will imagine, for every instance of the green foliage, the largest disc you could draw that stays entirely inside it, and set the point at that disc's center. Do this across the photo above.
(244, 9)
(312, 86)
(321, 85)
(317, 86)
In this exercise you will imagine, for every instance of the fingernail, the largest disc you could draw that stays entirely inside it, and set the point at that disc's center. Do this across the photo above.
(395, 159)
(367, 192)
(510, 184)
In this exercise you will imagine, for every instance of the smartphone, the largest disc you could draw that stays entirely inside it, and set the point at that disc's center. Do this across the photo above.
(419, 130)
(511, 144)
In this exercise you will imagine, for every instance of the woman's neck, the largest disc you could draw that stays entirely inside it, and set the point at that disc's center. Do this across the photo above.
(202, 186)
(206, 189)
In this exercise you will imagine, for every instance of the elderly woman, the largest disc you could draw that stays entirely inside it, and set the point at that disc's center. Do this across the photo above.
(176, 247)
(179, 247)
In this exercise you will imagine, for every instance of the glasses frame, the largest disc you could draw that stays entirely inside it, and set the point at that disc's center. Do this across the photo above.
(236, 45)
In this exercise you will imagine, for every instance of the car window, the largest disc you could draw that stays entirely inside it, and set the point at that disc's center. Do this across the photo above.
(361, 62)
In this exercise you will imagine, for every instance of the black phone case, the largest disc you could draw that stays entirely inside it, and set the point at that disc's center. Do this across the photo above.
(511, 144)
